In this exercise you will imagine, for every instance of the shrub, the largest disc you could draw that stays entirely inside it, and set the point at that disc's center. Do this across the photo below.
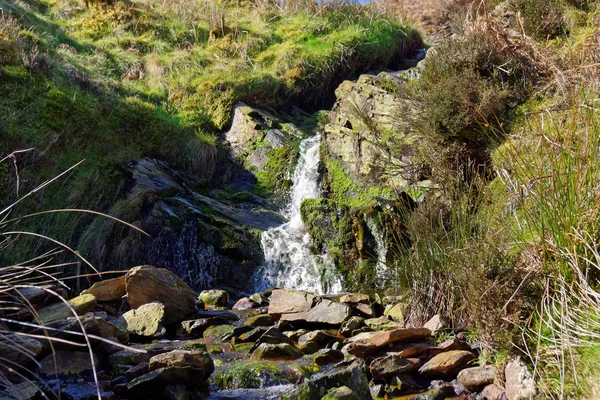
(11, 44)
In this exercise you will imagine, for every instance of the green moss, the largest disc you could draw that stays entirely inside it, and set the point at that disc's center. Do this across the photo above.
(275, 175)
(257, 374)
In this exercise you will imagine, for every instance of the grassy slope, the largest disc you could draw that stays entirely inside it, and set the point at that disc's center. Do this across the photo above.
(111, 83)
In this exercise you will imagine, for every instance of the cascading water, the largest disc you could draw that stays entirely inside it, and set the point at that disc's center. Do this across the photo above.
(379, 234)
(289, 262)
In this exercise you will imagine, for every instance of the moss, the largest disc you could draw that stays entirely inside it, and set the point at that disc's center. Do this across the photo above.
(257, 374)
(275, 175)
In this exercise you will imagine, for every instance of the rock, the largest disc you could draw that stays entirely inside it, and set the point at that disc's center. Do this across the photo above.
(60, 311)
(402, 384)
(416, 350)
(19, 349)
(393, 364)
(251, 336)
(353, 375)
(396, 311)
(146, 284)
(328, 356)
(280, 351)
(183, 358)
(33, 295)
(453, 344)
(149, 385)
(273, 336)
(476, 378)
(61, 329)
(351, 325)
(257, 374)
(110, 330)
(216, 298)
(259, 320)
(312, 342)
(20, 391)
(196, 327)
(355, 298)
(63, 363)
(295, 335)
(260, 299)
(377, 391)
(437, 323)
(447, 364)
(324, 312)
(244, 304)
(137, 371)
(341, 393)
(287, 301)
(246, 127)
(439, 393)
(520, 383)
(146, 320)
(231, 316)
(493, 392)
(108, 290)
(382, 324)
(378, 340)
(217, 333)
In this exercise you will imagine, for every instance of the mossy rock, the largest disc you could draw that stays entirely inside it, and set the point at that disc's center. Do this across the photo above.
(215, 333)
(257, 374)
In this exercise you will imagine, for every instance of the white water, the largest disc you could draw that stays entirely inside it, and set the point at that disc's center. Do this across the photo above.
(289, 262)
(379, 233)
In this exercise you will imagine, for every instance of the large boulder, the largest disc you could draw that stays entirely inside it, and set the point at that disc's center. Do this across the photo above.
(214, 298)
(447, 364)
(147, 320)
(108, 290)
(183, 358)
(60, 311)
(393, 364)
(313, 341)
(373, 342)
(146, 284)
(325, 312)
(352, 375)
(287, 301)
(476, 378)
(257, 374)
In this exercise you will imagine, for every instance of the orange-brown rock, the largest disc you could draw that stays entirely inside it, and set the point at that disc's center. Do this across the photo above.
(371, 344)
(108, 290)
(447, 364)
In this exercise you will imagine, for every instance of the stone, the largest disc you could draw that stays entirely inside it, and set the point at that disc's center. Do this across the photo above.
(260, 299)
(146, 284)
(437, 324)
(273, 336)
(183, 358)
(196, 327)
(287, 301)
(110, 330)
(244, 303)
(328, 356)
(19, 349)
(217, 333)
(402, 384)
(63, 363)
(313, 341)
(259, 320)
(393, 364)
(341, 393)
(149, 385)
(493, 392)
(324, 312)
(355, 298)
(378, 340)
(352, 375)
(282, 351)
(108, 290)
(33, 295)
(382, 324)
(146, 320)
(416, 350)
(60, 311)
(228, 315)
(520, 383)
(137, 371)
(295, 335)
(476, 378)
(453, 344)
(249, 374)
(20, 391)
(447, 364)
(215, 298)
(351, 325)
(396, 311)
(60, 330)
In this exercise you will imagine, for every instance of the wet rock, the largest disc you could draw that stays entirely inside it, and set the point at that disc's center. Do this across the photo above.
(273, 336)
(520, 383)
(447, 364)
(244, 303)
(476, 378)
(382, 324)
(146, 284)
(393, 364)
(257, 374)
(363, 346)
(351, 325)
(353, 375)
(20, 391)
(146, 320)
(195, 328)
(328, 356)
(108, 290)
(148, 385)
(64, 363)
(260, 299)
(341, 393)
(312, 342)
(218, 333)
(284, 351)
(493, 392)
(295, 335)
(437, 324)
(287, 301)
(18, 349)
(183, 358)
(60, 311)
(259, 320)
(252, 336)
(214, 298)
(137, 371)
(228, 315)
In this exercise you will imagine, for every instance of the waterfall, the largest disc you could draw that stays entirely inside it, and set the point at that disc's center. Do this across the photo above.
(379, 234)
(289, 262)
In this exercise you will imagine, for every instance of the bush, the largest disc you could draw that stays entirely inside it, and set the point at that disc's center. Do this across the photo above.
(11, 44)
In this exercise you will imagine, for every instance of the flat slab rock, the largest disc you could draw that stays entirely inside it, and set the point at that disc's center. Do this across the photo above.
(324, 312)
(287, 301)
(373, 342)
(447, 364)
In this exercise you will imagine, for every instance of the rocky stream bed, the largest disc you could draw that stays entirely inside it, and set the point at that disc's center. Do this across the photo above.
(150, 336)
